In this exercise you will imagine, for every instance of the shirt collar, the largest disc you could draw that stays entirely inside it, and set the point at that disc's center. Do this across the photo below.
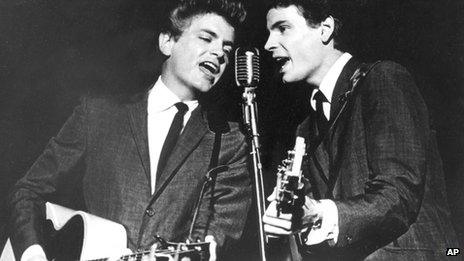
(330, 79)
(161, 98)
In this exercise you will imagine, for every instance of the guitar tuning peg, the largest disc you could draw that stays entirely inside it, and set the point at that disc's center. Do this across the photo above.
(286, 162)
(161, 240)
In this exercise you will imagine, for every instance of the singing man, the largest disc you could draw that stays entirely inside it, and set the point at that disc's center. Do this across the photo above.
(142, 163)
(376, 187)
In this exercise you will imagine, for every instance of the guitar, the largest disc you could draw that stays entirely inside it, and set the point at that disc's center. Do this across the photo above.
(290, 185)
(290, 197)
(77, 235)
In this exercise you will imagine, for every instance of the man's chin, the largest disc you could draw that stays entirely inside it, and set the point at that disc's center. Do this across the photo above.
(206, 87)
(286, 78)
(203, 84)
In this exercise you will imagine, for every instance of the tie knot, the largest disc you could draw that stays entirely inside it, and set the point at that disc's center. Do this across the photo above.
(320, 97)
(181, 107)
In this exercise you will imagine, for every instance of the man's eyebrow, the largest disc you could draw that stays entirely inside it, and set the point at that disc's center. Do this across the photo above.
(213, 34)
(277, 24)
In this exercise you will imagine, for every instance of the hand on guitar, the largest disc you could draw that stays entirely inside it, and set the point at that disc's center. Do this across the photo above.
(301, 218)
(291, 211)
(318, 220)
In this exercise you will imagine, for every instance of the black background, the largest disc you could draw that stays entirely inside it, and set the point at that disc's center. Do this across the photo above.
(52, 52)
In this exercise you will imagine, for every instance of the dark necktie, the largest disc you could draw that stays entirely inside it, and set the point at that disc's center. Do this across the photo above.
(322, 122)
(171, 138)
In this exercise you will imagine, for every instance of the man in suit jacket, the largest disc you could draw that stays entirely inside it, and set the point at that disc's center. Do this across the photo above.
(376, 189)
(108, 150)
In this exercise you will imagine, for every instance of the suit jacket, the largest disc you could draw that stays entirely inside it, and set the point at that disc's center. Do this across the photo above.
(102, 152)
(379, 163)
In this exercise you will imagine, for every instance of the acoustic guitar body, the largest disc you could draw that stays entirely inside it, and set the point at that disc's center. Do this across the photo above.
(77, 235)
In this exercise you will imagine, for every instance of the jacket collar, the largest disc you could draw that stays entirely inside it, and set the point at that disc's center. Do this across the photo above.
(194, 131)
(342, 86)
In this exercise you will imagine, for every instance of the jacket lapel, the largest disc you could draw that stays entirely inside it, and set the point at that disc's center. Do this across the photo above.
(315, 148)
(137, 113)
(338, 116)
(342, 86)
(191, 136)
(337, 109)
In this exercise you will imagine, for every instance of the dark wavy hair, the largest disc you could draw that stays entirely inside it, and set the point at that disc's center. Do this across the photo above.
(315, 11)
(182, 11)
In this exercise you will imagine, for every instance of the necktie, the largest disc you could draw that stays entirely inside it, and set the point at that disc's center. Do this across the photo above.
(171, 138)
(322, 122)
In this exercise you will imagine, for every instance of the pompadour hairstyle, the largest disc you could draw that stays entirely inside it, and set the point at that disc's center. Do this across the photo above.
(314, 11)
(182, 11)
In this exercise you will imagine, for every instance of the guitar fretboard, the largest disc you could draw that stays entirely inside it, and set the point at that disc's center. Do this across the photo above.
(161, 255)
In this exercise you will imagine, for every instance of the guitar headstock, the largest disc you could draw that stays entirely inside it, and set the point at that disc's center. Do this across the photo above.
(289, 185)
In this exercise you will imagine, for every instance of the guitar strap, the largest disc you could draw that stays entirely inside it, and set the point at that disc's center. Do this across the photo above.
(209, 181)
(216, 148)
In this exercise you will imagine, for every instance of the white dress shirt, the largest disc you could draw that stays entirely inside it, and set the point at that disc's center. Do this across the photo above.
(161, 112)
(328, 83)
(328, 231)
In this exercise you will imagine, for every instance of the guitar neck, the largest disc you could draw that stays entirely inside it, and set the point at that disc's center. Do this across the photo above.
(289, 185)
(139, 256)
(158, 255)
(299, 151)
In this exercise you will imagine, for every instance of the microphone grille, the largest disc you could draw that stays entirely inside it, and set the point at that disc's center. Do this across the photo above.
(247, 67)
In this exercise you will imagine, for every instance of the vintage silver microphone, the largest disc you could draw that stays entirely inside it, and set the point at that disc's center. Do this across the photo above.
(247, 77)
(247, 67)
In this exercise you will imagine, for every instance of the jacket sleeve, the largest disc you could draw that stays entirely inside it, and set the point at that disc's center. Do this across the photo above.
(41, 182)
(395, 130)
(224, 208)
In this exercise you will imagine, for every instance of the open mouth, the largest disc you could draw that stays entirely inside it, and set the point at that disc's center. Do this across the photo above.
(209, 68)
(281, 62)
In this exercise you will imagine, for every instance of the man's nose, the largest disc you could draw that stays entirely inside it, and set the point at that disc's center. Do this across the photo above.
(270, 43)
(217, 50)
(219, 53)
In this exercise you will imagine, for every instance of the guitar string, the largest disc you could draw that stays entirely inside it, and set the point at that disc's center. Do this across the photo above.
(141, 254)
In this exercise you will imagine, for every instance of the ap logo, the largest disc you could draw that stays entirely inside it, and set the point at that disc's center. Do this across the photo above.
(453, 251)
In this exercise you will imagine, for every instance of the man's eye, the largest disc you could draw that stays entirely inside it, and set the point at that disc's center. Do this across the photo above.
(282, 28)
(206, 39)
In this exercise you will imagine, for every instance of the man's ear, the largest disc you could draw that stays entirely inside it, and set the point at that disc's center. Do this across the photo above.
(165, 43)
(327, 29)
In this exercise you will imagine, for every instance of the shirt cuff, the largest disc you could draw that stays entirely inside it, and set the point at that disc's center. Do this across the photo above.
(328, 229)
(32, 251)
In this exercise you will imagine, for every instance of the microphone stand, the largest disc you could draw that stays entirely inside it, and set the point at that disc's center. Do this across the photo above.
(250, 118)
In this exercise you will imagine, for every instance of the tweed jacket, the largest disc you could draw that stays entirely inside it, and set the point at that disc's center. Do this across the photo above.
(100, 157)
(379, 163)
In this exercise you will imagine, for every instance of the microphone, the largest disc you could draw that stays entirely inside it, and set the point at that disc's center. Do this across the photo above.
(247, 76)
(246, 67)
